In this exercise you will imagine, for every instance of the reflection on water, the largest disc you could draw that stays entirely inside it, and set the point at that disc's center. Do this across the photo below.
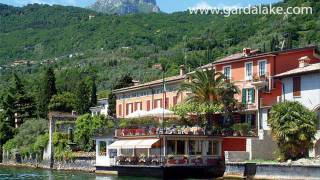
(41, 174)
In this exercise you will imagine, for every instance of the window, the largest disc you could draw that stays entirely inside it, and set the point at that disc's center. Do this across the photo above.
(195, 147)
(102, 148)
(167, 103)
(248, 96)
(148, 105)
(180, 147)
(157, 103)
(138, 106)
(175, 100)
(213, 148)
(262, 67)
(296, 86)
(227, 72)
(249, 70)
(171, 144)
(120, 109)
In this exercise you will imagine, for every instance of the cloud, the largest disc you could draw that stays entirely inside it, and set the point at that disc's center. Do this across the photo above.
(202, 5)
(50, 2)
(224, 6)
(206, 5)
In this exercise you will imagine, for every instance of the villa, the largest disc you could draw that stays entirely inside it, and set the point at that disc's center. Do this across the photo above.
(101, 108)
(165, 151)
(303, 85)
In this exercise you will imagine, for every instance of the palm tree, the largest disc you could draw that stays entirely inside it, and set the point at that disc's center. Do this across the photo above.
(210, 88)
(293, 126)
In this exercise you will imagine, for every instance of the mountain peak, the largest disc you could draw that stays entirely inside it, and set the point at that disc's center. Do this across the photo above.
(125, 6)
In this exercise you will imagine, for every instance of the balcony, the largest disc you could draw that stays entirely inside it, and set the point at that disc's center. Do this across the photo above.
(184, 130)
(260, 81)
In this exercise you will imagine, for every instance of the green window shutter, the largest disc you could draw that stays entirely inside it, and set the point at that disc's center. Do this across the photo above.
(252, 95)
(244, 96)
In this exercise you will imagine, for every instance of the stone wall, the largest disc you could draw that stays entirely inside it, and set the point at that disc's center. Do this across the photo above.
(79, 163)
(262, 148)
(271, 171)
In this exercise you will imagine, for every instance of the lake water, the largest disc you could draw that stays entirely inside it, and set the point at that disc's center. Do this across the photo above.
(41, 174)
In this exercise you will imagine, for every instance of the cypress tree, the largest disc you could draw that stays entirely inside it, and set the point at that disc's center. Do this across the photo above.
(93, 97)
(82, 98)
(125, 81)
(47, 90)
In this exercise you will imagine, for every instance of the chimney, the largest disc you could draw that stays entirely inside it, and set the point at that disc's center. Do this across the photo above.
(135, 82)
(304, 61)
(246, 52)
(182, 70)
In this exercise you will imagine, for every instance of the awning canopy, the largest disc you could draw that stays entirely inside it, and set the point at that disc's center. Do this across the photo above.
(133, 144)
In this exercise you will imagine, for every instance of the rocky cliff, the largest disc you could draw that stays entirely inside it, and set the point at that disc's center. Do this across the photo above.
(125, 6)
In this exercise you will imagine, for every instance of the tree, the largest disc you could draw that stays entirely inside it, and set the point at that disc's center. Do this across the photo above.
(86, 128)
(82, 98)
(6, 132)
(47, 90)
(112, 104)
(125, 81)
(209, 88)
(64, 102)
(17, 102)
(93, 98)
(293, 126)
(27, 136)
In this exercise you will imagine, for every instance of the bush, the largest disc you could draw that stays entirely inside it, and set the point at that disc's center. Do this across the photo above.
(31, 131)
(138, 122)
(242, 128)
(293, 127)
(87, 127)
(62, 149)
(64, 102)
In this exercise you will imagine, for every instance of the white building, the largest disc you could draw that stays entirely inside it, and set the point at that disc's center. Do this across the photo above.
(101, 108)
(303, 85)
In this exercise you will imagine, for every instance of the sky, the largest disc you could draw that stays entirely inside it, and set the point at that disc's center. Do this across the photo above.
(168, 6)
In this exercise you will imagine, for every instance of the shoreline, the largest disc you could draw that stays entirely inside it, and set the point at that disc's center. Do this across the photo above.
(41, 166)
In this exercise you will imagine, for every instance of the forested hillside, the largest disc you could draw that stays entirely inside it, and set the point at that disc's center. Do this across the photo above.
(78, 42)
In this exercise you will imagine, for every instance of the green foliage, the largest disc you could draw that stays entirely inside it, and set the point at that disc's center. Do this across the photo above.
(93, 97)
(82, 95)
(62, 148)
(64, 102)
(6, 132)
(138, 122)
(41, 143)
(87, 127)
(186, 108)
(293, 127)
(123, 82)
(28, 134)
(17, 101)
(47, 90)
(210, 93)
(243, 128)
(42, 35)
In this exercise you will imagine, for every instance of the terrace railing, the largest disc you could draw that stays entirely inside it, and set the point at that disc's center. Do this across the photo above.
(183, 131)
(175, 160)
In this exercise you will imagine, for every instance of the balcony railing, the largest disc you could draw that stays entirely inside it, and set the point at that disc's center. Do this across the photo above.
(196, 131)
(170, 160)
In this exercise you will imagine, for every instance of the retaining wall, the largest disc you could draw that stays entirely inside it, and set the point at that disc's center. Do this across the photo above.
(271, 171)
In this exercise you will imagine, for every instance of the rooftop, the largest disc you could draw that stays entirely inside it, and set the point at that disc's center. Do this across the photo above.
(151, 83)
(254, 53)
(302, 70)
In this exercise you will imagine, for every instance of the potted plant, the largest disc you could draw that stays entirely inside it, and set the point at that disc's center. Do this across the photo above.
(186, 158)
(242, 128)
(142, 158)
(171, 159)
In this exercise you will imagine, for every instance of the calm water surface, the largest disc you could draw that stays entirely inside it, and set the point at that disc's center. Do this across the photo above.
(40, 174)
